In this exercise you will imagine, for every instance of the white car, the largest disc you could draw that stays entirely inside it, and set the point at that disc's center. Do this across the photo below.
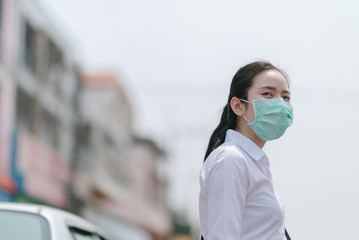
(19, 221)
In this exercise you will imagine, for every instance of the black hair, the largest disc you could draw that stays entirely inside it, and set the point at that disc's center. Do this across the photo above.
(240, 85)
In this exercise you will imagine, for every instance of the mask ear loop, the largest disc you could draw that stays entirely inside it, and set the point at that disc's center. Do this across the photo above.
(249, 122)
(245, 100)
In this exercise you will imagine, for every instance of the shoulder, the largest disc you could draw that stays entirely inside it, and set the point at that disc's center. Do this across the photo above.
(227, 151)
(228, 154)
(227, 165)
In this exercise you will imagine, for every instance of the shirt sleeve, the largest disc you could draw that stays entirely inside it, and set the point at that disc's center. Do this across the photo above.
(226, 189)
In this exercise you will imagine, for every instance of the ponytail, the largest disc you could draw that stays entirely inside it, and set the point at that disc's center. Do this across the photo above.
(228, 121)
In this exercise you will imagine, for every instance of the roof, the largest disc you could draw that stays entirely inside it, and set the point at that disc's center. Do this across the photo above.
(106, 80)
(100, 79)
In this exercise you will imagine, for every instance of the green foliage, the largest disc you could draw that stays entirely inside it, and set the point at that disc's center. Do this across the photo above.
(180, 224)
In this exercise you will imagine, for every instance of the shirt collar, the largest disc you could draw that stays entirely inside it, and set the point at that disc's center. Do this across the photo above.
(245, 144)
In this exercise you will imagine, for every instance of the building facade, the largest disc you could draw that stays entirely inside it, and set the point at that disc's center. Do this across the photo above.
(127, 187)
(7, 12)
(66, 138)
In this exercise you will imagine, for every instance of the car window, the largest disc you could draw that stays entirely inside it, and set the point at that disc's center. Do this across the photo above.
(15, 225)
(78, 236)
(81, 234)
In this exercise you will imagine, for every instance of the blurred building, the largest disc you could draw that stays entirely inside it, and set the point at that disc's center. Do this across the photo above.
(7, 186)
(66, 138)
(38, 87)
(127, 197)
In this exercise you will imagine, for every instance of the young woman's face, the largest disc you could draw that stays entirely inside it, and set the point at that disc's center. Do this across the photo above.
(268, 84)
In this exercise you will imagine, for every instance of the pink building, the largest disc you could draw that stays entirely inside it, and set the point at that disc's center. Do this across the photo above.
(38, 78)
(7, 48)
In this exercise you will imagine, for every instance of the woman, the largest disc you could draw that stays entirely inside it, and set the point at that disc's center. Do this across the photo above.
(237, 199)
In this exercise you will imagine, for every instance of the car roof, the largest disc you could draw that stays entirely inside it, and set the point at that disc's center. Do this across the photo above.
(54, 215)
(33, 208)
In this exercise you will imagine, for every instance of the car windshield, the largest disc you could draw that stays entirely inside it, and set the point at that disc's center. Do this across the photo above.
(15, 225)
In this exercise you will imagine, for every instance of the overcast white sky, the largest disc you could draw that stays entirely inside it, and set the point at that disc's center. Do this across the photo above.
(177, 59)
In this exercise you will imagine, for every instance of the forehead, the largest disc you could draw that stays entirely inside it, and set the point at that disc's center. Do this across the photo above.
(271, 78)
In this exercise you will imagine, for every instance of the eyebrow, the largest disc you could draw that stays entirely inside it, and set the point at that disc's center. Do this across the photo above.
(274, 89)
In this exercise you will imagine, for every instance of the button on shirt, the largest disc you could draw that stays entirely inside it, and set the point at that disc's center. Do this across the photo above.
(237, 200)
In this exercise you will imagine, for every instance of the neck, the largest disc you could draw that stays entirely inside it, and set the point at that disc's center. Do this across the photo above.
(247, 131)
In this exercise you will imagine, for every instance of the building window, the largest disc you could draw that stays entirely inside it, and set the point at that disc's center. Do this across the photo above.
(55, 68)
(30, 48)
(25, 107)
(31, 117)
(50, 130)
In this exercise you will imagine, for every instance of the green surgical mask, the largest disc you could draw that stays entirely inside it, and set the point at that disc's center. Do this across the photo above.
(272, 117)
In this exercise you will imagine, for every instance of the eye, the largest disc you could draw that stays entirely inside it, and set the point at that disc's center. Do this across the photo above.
(286, 98)
(267, 94)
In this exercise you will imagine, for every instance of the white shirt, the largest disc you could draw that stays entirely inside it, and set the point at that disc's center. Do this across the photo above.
(237, 200)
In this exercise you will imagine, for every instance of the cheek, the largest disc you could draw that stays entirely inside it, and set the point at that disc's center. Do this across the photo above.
(250, 112)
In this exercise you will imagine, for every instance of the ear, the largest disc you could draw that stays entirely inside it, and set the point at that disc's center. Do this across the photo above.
(238, 107)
